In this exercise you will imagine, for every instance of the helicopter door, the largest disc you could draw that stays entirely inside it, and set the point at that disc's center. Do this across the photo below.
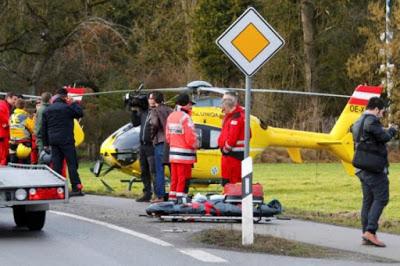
(207, 136)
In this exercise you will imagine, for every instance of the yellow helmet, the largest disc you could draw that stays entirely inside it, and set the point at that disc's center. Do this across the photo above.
(23, 151)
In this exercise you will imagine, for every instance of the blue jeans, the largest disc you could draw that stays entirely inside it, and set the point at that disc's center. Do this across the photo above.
(159, 184)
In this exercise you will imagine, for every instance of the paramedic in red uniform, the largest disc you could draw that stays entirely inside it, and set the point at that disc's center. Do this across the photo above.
(181, 136)
(6, 107)
(231, 139)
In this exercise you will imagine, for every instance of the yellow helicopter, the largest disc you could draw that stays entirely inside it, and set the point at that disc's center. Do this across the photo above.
(120, 149)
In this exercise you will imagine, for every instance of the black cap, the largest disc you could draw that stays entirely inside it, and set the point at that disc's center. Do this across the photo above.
(62, 92)
(183, 99)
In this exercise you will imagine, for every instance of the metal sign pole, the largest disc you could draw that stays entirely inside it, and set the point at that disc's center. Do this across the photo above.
(237, 43)
(247, 173)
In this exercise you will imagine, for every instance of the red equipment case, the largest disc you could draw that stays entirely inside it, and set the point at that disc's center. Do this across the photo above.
(233, 193)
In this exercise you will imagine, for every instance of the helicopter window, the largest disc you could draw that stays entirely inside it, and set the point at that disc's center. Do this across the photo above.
(127, 138)
(207, 101)
(208, 136)
(214, 134)
(199, 134)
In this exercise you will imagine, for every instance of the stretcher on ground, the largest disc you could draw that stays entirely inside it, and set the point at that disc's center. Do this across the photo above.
(218, 208)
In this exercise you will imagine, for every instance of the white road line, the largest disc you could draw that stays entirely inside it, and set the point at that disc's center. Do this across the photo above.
(194, 253)
(117, 228)
(202, 255)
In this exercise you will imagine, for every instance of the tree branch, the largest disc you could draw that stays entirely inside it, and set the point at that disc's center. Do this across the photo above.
(14, 72)
(98, 3)
(36, 15)
(4, 7)
(19, 50)
(7, 43)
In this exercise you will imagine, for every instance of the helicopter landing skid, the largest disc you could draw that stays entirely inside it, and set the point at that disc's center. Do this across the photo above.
(108, 187)
(131, 181)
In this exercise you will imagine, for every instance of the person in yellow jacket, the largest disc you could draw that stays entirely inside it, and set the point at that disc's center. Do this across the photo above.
(21, 130)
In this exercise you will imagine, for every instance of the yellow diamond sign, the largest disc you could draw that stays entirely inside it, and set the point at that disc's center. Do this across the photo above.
(250, 42)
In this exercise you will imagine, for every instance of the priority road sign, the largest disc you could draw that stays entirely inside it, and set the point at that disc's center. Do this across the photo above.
(250, 42)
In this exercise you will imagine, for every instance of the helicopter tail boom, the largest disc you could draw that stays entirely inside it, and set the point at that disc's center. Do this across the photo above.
(339, 141)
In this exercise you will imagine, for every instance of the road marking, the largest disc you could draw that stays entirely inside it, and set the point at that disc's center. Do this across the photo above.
(117, 228)
(194, 253)
(202, 255)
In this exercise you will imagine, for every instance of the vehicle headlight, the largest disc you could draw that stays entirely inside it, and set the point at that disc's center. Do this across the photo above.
(21, 194)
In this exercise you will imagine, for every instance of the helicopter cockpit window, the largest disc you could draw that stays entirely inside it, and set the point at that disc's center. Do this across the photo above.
(208, 101)
(127, 138)
(126, 144)
(214, 135)
(207, 136)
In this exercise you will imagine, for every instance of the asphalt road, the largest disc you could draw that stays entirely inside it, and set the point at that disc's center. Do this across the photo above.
(97, 230)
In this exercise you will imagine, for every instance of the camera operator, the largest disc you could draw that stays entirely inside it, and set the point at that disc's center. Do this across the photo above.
(140, 106)
(370, 140)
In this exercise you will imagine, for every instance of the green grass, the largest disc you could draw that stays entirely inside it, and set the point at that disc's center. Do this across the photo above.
(320, 192)
(93, 184)
(324, 192)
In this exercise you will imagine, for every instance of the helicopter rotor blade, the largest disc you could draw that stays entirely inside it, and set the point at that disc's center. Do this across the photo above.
(126, 91)
(293, 92)
(30, 97)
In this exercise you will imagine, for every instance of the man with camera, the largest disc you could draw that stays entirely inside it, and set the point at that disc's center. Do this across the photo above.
(140, 107)
(371, 162)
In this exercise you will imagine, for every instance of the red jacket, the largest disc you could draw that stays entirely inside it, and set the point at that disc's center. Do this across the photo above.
(181, 136)
(231, 139)
(4, 117)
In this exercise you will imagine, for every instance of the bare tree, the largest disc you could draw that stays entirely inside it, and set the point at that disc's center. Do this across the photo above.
(311, 79)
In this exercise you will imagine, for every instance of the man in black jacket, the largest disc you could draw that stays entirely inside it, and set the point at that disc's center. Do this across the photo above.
(58, 133)
(141, 116)
(375, 185)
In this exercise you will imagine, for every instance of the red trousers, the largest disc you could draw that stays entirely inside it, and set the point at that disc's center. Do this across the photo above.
(231, 169)
(4, 150)
(180, 172)
(34, 152)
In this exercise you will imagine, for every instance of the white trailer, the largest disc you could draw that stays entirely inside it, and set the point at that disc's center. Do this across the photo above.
(29, 190)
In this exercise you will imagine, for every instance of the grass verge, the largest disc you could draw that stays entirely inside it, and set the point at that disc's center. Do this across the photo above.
(320, 192)
(231, 239)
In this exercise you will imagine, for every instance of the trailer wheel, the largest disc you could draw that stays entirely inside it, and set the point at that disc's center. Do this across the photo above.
(20, 216)
(35, 220)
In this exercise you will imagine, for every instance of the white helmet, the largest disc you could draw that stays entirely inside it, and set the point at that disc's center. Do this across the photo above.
(45, 157)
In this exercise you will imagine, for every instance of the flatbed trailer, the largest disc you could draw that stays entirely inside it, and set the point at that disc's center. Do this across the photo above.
(29, 190)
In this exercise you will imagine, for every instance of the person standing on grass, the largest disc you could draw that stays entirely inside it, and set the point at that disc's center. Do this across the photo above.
(231, 139)
(141, 117)
(158, 120)
(375, 185)
(181, 136)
